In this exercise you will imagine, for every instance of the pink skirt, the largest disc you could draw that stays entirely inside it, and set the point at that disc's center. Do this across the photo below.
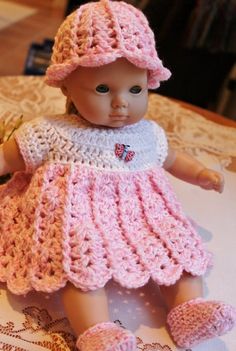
(68, 223)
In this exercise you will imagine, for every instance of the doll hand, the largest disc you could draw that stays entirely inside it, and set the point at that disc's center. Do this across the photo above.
(209, 179)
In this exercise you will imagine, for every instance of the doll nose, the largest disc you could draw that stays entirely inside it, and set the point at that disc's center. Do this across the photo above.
(119, 101)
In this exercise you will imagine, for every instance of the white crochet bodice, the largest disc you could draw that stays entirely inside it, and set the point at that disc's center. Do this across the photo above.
(66, 139)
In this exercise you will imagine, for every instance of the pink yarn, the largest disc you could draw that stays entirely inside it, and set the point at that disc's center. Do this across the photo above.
(197, 320)
(97, 34)
(66, 222)
(86, 216)
(106, 337)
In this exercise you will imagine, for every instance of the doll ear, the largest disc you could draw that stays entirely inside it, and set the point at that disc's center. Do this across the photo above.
(64, 90)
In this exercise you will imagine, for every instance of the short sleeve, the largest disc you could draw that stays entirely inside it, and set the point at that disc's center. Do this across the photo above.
(33, 142)
(161, 142)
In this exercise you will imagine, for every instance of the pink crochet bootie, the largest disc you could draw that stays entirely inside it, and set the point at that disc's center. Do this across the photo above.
(198, 320)
(106, 337)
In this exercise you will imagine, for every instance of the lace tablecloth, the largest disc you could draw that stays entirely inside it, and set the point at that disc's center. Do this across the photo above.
(37, 322)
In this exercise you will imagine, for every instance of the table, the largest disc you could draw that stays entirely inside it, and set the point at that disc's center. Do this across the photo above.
(37, 322)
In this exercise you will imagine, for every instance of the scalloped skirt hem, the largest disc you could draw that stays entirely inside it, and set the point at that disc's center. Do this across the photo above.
(67, 223)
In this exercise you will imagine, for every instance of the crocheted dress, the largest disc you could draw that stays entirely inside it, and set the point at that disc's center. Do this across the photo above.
(94, 204)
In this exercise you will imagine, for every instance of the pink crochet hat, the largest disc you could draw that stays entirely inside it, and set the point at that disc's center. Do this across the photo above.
(98, 33)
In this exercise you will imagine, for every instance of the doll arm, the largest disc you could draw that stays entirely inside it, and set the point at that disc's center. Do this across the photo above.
(10, 158)
(185, 167)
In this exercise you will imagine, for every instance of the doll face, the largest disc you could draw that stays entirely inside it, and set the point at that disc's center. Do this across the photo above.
(112, 95)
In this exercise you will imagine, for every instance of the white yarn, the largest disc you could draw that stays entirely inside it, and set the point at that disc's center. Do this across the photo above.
(66, 139)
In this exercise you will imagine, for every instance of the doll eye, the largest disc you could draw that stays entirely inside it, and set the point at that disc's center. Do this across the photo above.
(102, 89)
(136, 89)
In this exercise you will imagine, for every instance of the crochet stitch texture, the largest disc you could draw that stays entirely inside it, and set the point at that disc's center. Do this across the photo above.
(99, 33)
(106, 337)
(197, 320)
(86, 216)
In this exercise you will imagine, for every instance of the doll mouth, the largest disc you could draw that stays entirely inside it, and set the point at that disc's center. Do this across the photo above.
(119, 117)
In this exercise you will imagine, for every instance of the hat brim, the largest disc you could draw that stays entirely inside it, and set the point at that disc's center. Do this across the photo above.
(57, 73)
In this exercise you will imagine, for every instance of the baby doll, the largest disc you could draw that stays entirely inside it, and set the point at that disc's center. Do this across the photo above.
(90, 200)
